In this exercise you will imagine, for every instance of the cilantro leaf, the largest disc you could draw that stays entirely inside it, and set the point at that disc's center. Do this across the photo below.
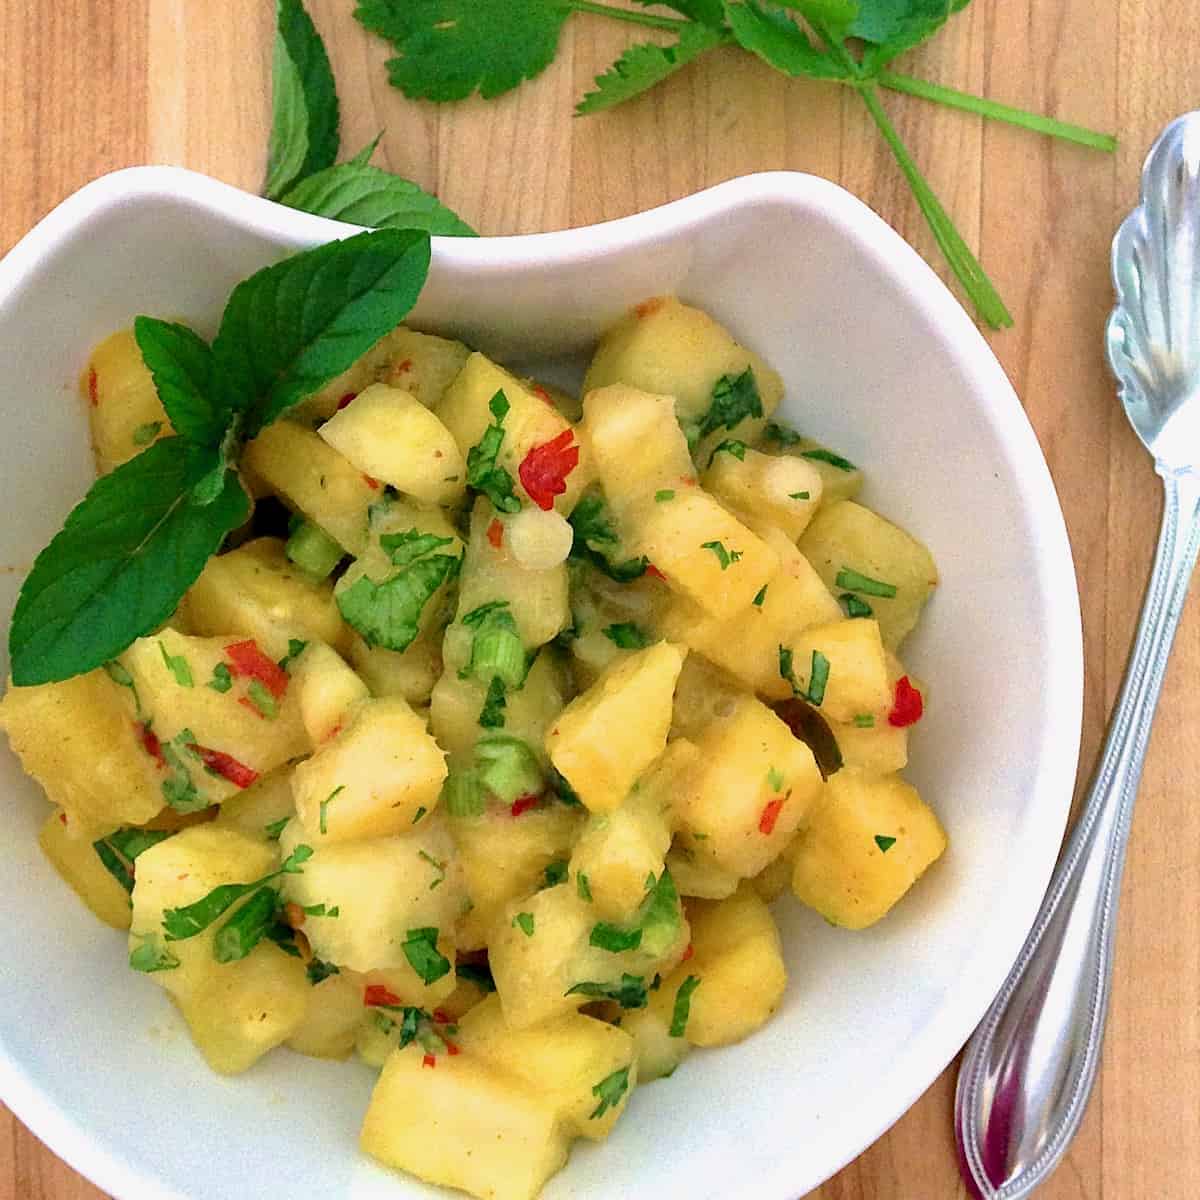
(894, 26)
(629, 993)
(388, 614)
(480, 976)
(592, 530)
(884, 842)
(318, 971)
(247, 927)
(683, 1006)
(780, 42)
(420, 948)
(304, 126)
(292, 327)
(122, 561)
(181, 363)
(405, 548)
(482, 472)
(627, 635)
(724, 557)
(614, 939)
(370, 196)
(491, 716)
(152, 955)
(452, 48)
(610, 1090)
(734, 399)
(642, 67)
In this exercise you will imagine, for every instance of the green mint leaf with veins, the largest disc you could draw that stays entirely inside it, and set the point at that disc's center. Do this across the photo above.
(450, 49)
(122, 561)
(181, 363)
(364, 156)
(645, 66)
(304, 124)
(734, 399)
(294, 326)
(388, 614)
(370, 196)
(779, 41)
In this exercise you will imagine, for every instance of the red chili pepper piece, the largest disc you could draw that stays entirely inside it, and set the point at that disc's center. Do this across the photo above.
(655, 573)
(545, 468)
(429, 1061)
(247, 659)
(688, 952)
(452, 1049)
(541, 393)
(495, 534)
(647, 307)
(770, 814)
(62, 816)
(909, 707)
(406, 365)
(225, 765)
(93, 387)
(372, 483)
(376, 994)
(524, 803)
(442, 1017)
(150, 743)
(346, 400)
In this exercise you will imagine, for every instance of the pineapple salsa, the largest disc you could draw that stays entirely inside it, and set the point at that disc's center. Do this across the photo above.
(483, 745)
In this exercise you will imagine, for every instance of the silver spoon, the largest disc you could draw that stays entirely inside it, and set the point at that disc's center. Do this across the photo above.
(1028, 1070)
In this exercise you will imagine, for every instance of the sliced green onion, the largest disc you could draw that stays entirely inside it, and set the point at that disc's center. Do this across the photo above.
(313, 550)
(507, 767)
(462, 794)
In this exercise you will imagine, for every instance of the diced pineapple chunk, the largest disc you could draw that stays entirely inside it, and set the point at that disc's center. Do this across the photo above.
(530, 421)
(752, 787)
(327, 690)
(335, 1010)
(637, 445)
(123, 404)
(256, 729)
(866, 843)
(704, 551)
(314, 479)
(256, 592)
(775, 878)
(410, 674)
(840, 479)
(747, 643)
(564, 1062)
(703, 693)
(80, 740)
(383, 889)
(618, 850)
(738, 960)
(699, 877)
(847, 537)
(463, 1124)
(879, 748)
(657, 1052)
(264, 803)
(765, 490)
(390, 435)
(504, 857)
(606, 737)
(247, 1008)
(856, 681)
(670, 348)
(72, 854)
(373, 778)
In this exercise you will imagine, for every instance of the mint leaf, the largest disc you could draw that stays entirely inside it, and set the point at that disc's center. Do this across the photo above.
(388, 614)
(780, 42)
(304, 126)
(294, 326)
(370, 196)
(122, 561)
(642, 67)
(181, 363)
(452, 48)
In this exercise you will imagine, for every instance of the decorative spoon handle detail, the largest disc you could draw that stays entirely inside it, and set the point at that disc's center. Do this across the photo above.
(1028, 1071)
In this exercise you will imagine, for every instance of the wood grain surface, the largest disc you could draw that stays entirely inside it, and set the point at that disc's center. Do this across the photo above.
(88, 86)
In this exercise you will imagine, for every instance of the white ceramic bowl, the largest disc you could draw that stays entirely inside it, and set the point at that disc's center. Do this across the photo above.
(881, 362)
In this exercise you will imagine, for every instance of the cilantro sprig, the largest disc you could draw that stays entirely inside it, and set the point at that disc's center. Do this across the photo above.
(139, 539)
(450, 49)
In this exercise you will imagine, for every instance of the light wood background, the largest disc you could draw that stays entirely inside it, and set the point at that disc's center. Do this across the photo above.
(87, 86)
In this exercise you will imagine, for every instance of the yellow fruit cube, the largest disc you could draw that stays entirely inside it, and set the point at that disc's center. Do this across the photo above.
(123, 405)
(842, 670)
(766, 490)
(71, 852)
(331, 1020)
(327, 690)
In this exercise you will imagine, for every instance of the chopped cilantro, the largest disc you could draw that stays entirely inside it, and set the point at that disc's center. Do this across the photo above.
(664, 494)
(151, 955)
(775, 779)
(852, 581)
(799, 496)
(482, 472)
(405, 548)
(856, 607)
(734, 398)
(724, 557)
(246, 928)
(729, 446)
(419, 814)
(275, 828)
(828, 456)
(760, 597)
(222, 678)
(475, 618)
(325, 805)
(781, 435)
(491, 716)
(629, 993)
(264, 703)
(583, 887)
(884, 843)
(296, 647)
(610, 1090)
(439, 867)
(818, 676)
(178, 666)
(524, 922)
(683, 1006)
(318, 971)
(864, 721)
(613, 938)
(480, 976)
(388, 614)
(627, 635)
(420, 948)
(594, 536)
(555, 873)
(322, 910)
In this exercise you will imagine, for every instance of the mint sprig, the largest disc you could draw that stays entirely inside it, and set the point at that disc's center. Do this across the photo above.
(139, 539)
(451, 49)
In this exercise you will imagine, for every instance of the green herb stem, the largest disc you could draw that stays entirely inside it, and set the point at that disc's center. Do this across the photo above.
(996, 111)
(963, 262)
(623, 14)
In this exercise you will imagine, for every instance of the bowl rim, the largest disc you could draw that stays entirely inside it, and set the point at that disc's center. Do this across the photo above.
(1061, 684)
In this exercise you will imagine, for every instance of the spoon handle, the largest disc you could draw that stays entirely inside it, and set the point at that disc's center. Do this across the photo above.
(1028, 1070)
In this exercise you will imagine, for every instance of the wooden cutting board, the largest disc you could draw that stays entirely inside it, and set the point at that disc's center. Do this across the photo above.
(91, 85)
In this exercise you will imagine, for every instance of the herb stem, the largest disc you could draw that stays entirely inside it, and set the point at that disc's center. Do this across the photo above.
(996, 111)
(624, 14)
(958, 254)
